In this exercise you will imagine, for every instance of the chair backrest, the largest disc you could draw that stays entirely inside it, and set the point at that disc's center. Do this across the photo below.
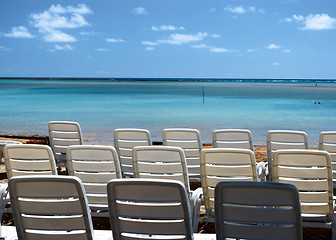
(257, 210)
(50, 207)
(190, 141)
(143, 208)
(310, 172)
(3, 143)
(225, 164)
(125, 139)
(29, 159)
(283, 139)
(61, 135)
(160, 162)
(95, 166)
(327, 142)
(232, 138)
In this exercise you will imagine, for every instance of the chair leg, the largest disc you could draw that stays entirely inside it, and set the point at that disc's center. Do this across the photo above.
(333, 230)
(197, 200)
(3, 199)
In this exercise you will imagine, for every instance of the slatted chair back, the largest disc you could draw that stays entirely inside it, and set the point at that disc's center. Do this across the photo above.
(61, 135)
(29, 159)
(225, 164)
(232, 138)
(283, 139)
(327, 142)
(125, 139)
(310, 172)
(95, 165)
(50, 207)
(160, 162)
(190, 141)
(255, 210)
(148, 208)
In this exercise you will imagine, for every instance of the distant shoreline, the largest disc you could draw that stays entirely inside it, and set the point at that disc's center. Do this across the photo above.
(247, 80)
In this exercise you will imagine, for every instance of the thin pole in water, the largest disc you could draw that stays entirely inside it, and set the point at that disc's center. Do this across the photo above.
(203, 94)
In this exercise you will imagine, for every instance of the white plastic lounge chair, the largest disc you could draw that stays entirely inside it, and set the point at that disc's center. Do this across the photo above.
(160, 162)
(149, 209)
(125, 139)
(3, 186)
(327, 142)
(29, 159)
(26, 159)
(50, 207)
(95, 166)
(61, 135)
(310, 172)
(232, 138)
(282, 139)
(254, 210)
(190, 141)
(217, 165)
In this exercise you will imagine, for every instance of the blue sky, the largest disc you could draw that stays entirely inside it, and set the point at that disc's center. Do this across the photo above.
(168, 38)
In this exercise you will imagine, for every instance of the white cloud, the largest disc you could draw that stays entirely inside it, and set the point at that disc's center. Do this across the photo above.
(166, 28)
(81, 9)
(202, 45)
(250, 50)
(64, 47)
(19, 32)
(243, 10)
(273, 46)
(178, 39)
(140, 11)
(287, 51)
(313, 22)
(149, 43)
(149, 49)
(115, 40)
(50, 22)
(215, 36)
(221, 50)
(319, 22)
(275, 64)
(53, 35)
(297, 18)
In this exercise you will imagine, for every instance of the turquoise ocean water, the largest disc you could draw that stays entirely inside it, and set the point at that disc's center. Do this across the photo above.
(26, 106)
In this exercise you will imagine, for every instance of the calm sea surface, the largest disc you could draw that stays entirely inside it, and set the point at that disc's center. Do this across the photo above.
(26, 106)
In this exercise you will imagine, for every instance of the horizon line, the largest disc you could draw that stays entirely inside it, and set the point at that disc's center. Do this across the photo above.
(174, 79)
